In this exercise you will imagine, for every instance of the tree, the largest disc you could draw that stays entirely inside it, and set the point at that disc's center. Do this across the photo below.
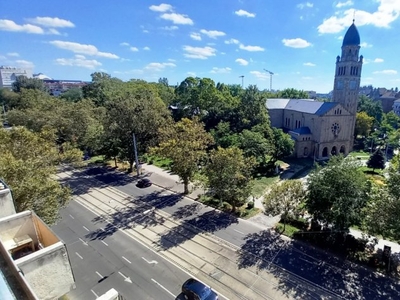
(377, 160)
(291, 93)
(73, 95)
(254, 144)
(140, 112)
(27, 165)
(363, 124)
(103, 88)
(229, 175)
(371, 108)
(282, 145)
(185, 143)
(338, 192)
(284, 199)
(23, 82)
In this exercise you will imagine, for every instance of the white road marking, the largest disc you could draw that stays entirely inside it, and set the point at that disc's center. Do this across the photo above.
(72, 217)
(147, 211)
(77, 254)
(85, 228)
(99, 274)
(126, 259)
(163, 288)
(94, 294)
(238, 231)
(150, 261)
(83, 242)
(127, 279)
(104, 243)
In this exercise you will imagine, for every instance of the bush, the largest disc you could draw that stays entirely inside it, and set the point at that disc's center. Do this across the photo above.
(250, 205)
(226, 206)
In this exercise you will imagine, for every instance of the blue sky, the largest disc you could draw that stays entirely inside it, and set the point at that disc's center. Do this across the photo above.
(220, 39)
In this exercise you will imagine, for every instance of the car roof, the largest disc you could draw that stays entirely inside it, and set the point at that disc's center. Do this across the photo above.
(195, 286)
(145, 180)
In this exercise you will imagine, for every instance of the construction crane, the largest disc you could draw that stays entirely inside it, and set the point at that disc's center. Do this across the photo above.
(270, 79)
(242, 76)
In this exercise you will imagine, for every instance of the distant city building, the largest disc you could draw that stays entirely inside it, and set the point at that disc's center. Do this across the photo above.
(57, 87)
(41, 76)
(396, 107)
(322, 129)
(312, 94)
(8, 75)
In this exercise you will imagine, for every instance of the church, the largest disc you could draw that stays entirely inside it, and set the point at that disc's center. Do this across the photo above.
(323, 129)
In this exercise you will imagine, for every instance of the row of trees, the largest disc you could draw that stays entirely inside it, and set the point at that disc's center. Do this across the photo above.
(196, 124)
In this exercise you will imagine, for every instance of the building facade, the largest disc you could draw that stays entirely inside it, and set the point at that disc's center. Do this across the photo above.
(9, 74)
(322, 129)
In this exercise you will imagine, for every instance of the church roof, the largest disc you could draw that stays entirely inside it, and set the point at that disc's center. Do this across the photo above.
(351, 38)
(302, 130)
(308, 106)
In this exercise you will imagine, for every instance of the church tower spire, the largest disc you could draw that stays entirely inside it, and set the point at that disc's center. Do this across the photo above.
(348, 71)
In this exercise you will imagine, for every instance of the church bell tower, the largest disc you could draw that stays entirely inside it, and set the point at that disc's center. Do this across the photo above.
(347, 79)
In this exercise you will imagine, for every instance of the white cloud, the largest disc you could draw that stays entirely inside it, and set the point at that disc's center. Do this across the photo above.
(161, 8)
(146, 48)
(15, 54)
(242, 62)
(251, 48)
(134, 49)
(232, 41)
(53, 31)
(78, 61)
(303, 5)
(199, 52)
(243, 13)
(171, 59)
(342, 4)
(158, 66)
(52, 22)
(378, 60)
(296, 43)
(386, 72)
(309, 64)
(191, 74)
(124, 44)
(387, 12)
(170, 28)
(82, 49)
(216, 70)
(260, 75)
(212, 33)
(8, 25)
(25, 64)
(196, 36)
(365, 45)
(177, 18)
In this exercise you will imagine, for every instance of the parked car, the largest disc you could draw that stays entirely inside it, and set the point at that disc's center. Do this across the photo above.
(145, 182)
(193, 289)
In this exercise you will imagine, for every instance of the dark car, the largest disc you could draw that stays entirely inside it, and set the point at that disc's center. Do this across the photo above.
(193, 289)
(142, 183)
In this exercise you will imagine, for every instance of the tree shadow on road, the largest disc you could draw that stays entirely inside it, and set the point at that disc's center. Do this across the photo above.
(95, 177)
(307, 275)
(207, 222)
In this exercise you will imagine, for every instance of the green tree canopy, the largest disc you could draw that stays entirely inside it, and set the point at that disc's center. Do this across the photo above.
(282, 145)
(338, 192)
(229, 175)
(377, 160)
(291, 93)
(27, 165)
(23, 82)
(371, 108)
(363, 124)
(185, 143)
(284, 199)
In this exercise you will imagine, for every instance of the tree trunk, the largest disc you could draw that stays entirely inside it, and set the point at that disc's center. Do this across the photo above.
(185, 186)
(115, 161)
(130, 169)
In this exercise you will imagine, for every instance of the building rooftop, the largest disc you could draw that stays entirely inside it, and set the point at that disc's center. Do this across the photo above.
(308, 106)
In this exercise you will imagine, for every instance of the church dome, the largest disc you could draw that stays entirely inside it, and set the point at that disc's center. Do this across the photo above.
(351, 38)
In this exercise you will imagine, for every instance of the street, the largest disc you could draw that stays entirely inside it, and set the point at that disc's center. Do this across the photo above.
(275, 268)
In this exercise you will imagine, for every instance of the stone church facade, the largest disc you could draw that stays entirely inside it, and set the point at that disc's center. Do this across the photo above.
(323, 129)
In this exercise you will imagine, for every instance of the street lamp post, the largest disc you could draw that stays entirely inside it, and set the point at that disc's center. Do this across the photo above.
(270, 79)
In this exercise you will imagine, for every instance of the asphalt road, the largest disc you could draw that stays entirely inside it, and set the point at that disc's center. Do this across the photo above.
(308, 266)
(116, 261)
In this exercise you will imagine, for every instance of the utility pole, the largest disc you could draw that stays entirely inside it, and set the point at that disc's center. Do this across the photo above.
(242, 79)
(270, 79)
(136, 156)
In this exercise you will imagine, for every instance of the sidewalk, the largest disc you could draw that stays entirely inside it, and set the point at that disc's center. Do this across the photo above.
(169, 181)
